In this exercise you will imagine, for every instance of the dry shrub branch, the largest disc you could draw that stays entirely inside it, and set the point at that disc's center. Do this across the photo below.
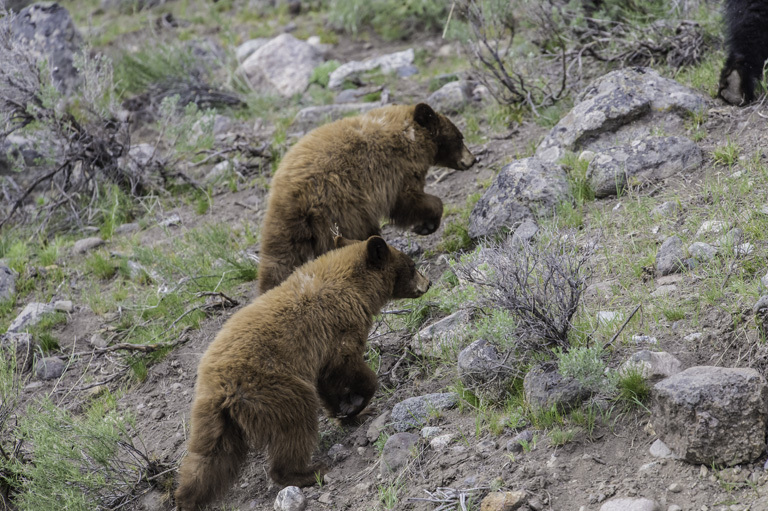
(539, 284)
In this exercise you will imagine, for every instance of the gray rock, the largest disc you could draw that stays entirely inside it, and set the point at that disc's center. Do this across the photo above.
(290, 498)
(761, 313)
(666, 209)
(63, 306)
(407, 71)
(441, 442)
(653, 365)
(407, 246)
(172, 221)
(97, 341)
(702, 252)
(712, 415)
(413, 412)
(523, 189)
(764, 281)
(599, 292)
(385, 63)
(23, 348)
(732, 238)
(357, 95)
(482, 369)
(86, 244)
(266, 69)
(126, 228)
(31, 315)
(644, 339)
(670, 256)
(630, 504)
(47, 30)
(604, 317)
(377, 426)
(338, 453)
(7, 283)
(246, 49)
(430, 340)
(664, 291)
(429, 431)
(49, 368)
(619, 107)
(660, 450)
(516, 444)
(313, 116)
(525, 232)
(485, 447)
(643, 161)
(16, 5)
(452, 97)
(397, 452)
(545, 387)
(711, 227)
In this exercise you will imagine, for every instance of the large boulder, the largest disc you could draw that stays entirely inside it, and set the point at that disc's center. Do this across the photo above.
(712, 415)
(47, 30)
(31, 315)
(527, 188)
(620, 107)
(642, 161)
(283, 65)
(384, 63)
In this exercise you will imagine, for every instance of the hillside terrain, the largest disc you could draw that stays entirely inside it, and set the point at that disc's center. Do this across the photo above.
(613, 195)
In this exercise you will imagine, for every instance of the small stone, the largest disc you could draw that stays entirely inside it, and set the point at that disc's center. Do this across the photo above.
(663, 291)
(711, 227)
(743, 249)
(157, 415)
(397, 452)
(290, 498)
(377, 426)
(703, 252)
(485, 447)
(63, 306)
(325, 498)
(674, 507)
(7, 282)
(670, 256)
(413, 412)
(665, 209)
(97, 341)
(764, 280)
(503, 501)
(605, 317)
(49, 368)
(660, 450)
(630, 504)
(675, 488)
(644, 339)
(171, 221)
(694, 337)
(338, 452)
(516, 444)
(429, 431)
(86, 244)
(441, 442)
(126, 228)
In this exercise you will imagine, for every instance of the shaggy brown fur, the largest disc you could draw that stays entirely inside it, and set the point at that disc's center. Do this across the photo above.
(350, 174)
(275, 362)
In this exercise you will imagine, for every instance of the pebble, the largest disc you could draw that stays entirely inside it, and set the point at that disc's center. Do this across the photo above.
(325, 498)
(63, 306)
(675, 488)
(440, 442)
(290, 498)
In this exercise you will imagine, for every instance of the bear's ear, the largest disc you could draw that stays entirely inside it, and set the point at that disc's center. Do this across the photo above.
(378, 251)
(339, 242)
(425, 116)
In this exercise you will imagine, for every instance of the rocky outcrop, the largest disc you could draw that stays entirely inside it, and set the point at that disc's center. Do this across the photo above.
(266, 69)
(712, 415)
(527, 188)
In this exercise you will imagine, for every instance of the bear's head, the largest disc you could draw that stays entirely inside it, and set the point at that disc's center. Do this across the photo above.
(400, 270)
(452, 152)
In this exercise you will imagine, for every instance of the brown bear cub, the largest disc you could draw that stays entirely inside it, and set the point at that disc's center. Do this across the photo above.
(275, 362)
(350, 174)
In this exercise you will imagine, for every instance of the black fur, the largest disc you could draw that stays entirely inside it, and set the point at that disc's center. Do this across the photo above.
(746, 25)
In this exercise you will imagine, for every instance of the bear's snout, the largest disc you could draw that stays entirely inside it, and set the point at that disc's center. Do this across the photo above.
(422, 283)
(467, 158)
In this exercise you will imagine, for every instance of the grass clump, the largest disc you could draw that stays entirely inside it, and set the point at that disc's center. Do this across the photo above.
(456, 234)
(632, 386)
(321, 75)
(727, 154)
(101, 265)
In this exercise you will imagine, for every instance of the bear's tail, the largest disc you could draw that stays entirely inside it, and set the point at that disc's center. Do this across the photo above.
(217, 450)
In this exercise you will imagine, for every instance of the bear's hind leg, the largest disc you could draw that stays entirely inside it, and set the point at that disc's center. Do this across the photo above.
(293, 436)
(217, 450)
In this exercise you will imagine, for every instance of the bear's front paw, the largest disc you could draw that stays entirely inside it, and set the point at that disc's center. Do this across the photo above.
(351, 404)
(426, 228)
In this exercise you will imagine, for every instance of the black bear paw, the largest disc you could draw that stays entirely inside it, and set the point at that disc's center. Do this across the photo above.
(351, 405)
(426, 228)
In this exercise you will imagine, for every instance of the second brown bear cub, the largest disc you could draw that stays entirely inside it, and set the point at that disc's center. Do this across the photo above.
(275, 362)
(350, 174)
